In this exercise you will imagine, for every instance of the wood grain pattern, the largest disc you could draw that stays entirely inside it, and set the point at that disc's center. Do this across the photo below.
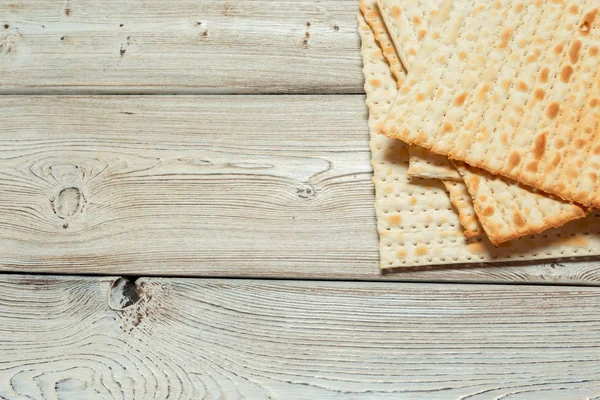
(203, 186)
(189, 46)
(183, 339)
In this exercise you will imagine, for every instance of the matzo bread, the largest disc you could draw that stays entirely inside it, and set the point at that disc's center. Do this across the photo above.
(511, 88)
(508, 211)
(415, 219)
(462, 201)
(373, 17)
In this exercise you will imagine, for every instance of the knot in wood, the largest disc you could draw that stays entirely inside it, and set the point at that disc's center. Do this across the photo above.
(68, 202)
(306, 191)
(123, 294)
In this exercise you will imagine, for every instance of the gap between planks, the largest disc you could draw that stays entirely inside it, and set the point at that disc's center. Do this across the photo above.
(166, 93)
(132, 278)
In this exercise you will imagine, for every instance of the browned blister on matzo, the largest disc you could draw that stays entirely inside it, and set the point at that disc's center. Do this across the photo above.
(511, 87)
(415, 219)
(508, 211)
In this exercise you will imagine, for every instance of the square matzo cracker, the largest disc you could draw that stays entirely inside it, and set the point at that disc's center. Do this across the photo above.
(511, 87)
(510, 211)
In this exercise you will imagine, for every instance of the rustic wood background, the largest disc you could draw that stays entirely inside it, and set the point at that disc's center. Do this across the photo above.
(189, 46)
(228, 139)
(230, 339)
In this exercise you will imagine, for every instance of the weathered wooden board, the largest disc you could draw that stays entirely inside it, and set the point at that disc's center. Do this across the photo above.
(74, 338)
(203, 186)
(191, 46)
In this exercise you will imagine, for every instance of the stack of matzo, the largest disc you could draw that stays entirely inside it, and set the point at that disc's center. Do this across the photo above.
(484, 128)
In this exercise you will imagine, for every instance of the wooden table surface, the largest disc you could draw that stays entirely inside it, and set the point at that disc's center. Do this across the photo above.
(158, 162)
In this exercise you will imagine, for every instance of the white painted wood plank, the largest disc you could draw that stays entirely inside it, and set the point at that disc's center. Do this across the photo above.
(74, 338)
(251, 186)
(187, 46)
